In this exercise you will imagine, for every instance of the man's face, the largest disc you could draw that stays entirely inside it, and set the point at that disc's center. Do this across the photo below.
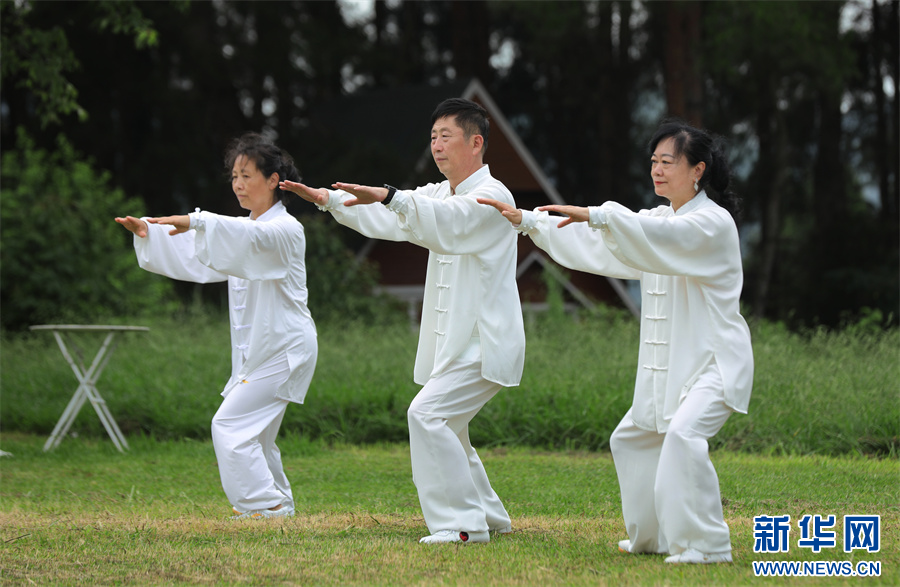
(451, 150)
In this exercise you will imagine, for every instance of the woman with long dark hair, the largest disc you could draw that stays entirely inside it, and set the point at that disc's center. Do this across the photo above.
(695, 364)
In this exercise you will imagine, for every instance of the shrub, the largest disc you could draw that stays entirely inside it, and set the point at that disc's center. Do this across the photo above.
(341, 285)
(63, 257)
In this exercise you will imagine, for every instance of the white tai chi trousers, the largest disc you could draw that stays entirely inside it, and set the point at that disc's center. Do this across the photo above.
(243, 432)
(454, 490)
(670, 490)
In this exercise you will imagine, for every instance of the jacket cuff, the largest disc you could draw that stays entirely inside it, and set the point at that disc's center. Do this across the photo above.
(334, 200)
(529, 221)
(197, 221)
(597, 218)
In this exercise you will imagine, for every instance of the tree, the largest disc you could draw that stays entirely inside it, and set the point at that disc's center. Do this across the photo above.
(570, 91)
(873, 35)
(471, 35)
(62, 256)
(679, 24)
(36, 57)
(782, 72)
(583, 83)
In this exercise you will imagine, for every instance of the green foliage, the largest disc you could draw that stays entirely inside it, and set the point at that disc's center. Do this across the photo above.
(44, 76)
(579, 82)
(802, 120)
(62, 255)
(551, 276)
(38, 58)
(820, 392)
(785, 48)
(341, 285)
(123, 17)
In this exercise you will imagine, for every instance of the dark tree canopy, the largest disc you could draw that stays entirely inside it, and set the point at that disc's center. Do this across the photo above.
(806, 94)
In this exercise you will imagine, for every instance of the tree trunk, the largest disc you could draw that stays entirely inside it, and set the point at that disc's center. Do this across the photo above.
(773, 155)
(624, 72)
(894, 65)
(379, 21)
(607, 88)
(681, 58)
(411, 18)
(326, 64)
(829, 182)
(471, 36)
(888, 138)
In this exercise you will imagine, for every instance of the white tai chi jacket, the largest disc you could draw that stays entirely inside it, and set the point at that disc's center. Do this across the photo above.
(470, 285)
(264, 263)
(689, 265)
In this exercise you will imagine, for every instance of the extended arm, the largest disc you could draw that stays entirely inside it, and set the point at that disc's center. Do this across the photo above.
(363, 194)
(571, 213)
(172, 256)
(344, 205)
(575, 247)
(249, 249)
(454, 225)
(179, 224)
(700, 244)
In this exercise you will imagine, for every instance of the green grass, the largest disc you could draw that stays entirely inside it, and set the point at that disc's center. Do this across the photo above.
(817, 392)
(86, 514)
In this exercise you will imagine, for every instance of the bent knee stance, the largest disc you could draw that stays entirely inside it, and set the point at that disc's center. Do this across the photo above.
(419, 418)
(224, 437)
(231, 434)
(616, 443)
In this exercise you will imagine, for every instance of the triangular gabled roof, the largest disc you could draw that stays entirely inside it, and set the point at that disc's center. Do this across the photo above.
(378, 135)
(509, 159)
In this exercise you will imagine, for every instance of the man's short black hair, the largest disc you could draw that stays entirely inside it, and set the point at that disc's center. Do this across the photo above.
(471, 117)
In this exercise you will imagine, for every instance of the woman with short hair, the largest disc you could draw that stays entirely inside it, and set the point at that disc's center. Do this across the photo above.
(273, 337)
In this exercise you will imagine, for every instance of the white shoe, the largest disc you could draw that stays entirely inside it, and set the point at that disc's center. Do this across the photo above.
(694, 556)
(282, 512)
(504, 530)
(446, 536)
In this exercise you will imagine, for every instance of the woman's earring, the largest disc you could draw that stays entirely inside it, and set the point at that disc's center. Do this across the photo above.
(696, 186)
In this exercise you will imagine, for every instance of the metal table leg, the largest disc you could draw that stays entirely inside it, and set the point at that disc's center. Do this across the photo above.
(87, 390)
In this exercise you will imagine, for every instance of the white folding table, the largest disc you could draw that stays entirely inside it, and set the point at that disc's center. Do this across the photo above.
(87, 378)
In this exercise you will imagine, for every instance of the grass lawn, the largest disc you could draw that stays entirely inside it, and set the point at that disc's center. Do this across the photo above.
(86, 514)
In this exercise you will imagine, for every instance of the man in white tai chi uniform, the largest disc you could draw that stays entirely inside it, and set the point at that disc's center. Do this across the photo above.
(472, 340)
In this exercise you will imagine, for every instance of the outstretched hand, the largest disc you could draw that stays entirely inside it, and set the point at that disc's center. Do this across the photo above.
(510, 212)
(139, 227)
(364, 194)
(135, 225)
(318, 196)
(179, 224)
(572, 213)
